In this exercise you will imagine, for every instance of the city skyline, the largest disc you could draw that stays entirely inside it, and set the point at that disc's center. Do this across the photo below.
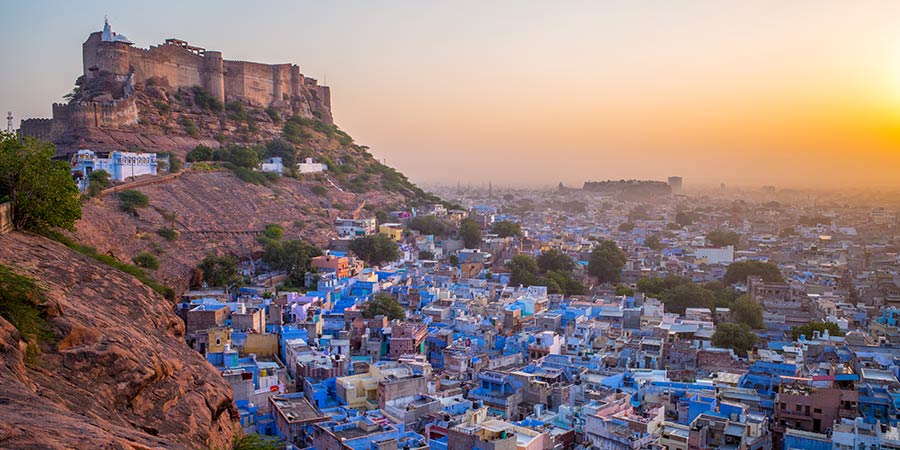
(800, 95)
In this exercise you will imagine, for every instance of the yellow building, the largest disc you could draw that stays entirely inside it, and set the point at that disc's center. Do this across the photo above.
(392, 230)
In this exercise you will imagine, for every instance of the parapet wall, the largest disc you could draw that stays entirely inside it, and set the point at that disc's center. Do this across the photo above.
(38, 128)
(114, 114)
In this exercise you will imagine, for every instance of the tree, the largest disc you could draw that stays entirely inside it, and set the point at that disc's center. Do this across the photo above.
(560, 283)
(744, 310)
(555, 260)
(375, 250)
(689, 295)
(200, 153)
(721, 238)
(221, 271)
(273, 231)
(735, 336)
(453, 260)
(739, 271)
(653, 242)
(98, 180)
(425, 254)
(606, 262)
(505, 228)
(808, 329)
(655, 287)
(430, 225)
(293, 257)
(523, 270)
(130, 200)
(684, 218)
(383, 304)
(470, 233)
(626, 227)
(284, 150)
(622, 289)
(41, 190)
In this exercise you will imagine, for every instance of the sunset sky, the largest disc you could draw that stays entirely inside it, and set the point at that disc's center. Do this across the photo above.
(533, 93)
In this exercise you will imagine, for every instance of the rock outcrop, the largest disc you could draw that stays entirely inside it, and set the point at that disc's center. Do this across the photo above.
(119, 376)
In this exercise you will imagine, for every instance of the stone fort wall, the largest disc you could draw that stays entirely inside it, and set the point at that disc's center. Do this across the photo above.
(184, 66)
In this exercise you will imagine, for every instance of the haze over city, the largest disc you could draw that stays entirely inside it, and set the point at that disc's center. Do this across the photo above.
(532, 93)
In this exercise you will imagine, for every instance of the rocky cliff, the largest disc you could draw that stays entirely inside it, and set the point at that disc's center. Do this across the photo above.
(115, 374)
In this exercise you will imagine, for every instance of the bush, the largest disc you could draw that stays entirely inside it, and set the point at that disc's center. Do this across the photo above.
(200, 153)
(131, 200)
(273, 231)
(430, 225)
(319, 190)
(146, 260)
(189, 127)
(98, 181)
(21, 303)
(221, 271)
(274, 115)
(205, 100)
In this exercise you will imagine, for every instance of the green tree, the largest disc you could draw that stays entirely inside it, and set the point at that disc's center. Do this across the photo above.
(41, 190)
(808, 329)
(606, 262)
(555, 260)
(470, 233)
(626, 227)
(453, 260)
(383, 304)
(744, 310)
(505, 228)
(98, 180)
(653, 242)
(200, 153)
(656, 287)
(722, 238)
(561, 283)
(523, 270)
(735, 336)
(689, 295)
(622, 289)
(375, 250)
(739, 271)
(220, 271)
(293, 257)
(684, 218)
(273, 231)
(284, 150)
(425, 254)
(130, 200)
(430, 225)
(146, 260)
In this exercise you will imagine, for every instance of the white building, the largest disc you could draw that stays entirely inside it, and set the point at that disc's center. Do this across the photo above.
(354, 227)
(309, 166)
(715, 255)
(272, 164)
(119, 165)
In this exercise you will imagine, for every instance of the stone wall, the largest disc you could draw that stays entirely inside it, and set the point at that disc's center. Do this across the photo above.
(184, 66)
(38, 128)
(114, 114)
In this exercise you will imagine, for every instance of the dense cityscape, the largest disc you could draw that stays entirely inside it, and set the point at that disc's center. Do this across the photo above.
(194, 255)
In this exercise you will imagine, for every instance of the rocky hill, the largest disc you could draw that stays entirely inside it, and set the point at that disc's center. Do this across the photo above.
(112, 371)
(212, 209)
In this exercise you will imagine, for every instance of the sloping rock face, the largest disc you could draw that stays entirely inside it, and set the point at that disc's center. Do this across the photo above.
(120, 376)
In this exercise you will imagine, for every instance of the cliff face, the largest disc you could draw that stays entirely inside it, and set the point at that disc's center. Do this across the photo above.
(120, 375)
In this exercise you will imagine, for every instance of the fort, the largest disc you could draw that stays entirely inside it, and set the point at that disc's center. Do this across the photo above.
(112, 61)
